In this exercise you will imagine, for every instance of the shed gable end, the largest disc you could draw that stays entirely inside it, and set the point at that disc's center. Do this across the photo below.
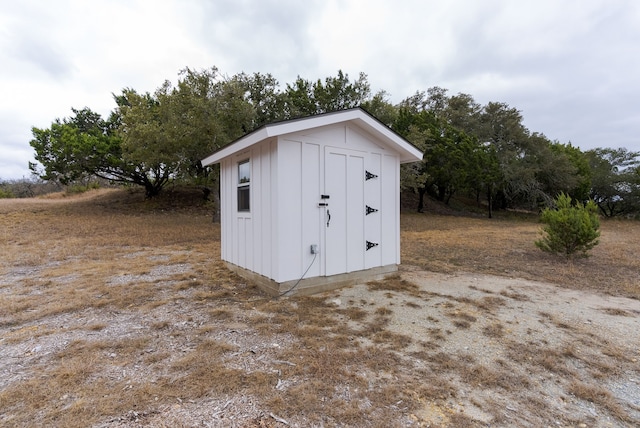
(344, 135)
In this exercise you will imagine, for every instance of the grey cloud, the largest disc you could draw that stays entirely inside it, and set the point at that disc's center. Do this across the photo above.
(263, 36)
(43, 56)
(570, 67)
(32, 43)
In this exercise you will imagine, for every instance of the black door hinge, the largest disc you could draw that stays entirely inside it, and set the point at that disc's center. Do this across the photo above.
(370, 245)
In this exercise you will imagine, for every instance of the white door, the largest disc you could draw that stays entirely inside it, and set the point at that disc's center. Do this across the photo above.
(344, 222)
(373, 211)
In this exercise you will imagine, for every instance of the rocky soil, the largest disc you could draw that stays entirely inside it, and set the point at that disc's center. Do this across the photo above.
(530, 348)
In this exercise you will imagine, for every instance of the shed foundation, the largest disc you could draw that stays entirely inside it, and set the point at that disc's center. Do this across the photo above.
(308, 286)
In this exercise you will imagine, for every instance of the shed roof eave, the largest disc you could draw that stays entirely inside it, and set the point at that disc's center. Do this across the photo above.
(238, 146)
(412, 160)
(409, 153)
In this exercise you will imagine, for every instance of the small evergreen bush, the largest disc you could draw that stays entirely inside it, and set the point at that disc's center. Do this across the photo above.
(570, 229)
(75, 189)
(6, 193)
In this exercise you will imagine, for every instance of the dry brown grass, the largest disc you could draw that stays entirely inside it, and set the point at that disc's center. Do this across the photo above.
(600, 396)
(504, 246)
(395, 283)
(495, 329)
(115, 311)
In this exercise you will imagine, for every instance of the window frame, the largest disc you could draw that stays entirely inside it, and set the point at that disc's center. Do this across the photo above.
(244, 186)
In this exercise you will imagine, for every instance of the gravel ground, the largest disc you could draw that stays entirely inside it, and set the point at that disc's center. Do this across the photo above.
(506, 327)
(530, 313)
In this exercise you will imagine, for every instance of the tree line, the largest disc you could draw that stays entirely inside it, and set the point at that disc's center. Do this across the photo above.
(479, 151)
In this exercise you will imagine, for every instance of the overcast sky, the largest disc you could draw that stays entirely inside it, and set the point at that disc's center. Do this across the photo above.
(571, 67)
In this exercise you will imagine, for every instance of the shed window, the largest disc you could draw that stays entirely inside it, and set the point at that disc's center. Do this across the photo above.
(244, 182)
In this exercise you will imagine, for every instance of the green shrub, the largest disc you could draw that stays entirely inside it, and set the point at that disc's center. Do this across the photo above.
(6, 193)
(81, 188)
(570, 229)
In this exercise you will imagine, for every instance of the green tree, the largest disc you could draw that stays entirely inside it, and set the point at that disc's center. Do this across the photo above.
(533, 171)
(554, 170)
(262, 93)
(150, 153)
(131, 147)
(76, 147)
(570, 229)
(381, 108)
(581, 183)
(151, 139)
(454, 159)
(484, 173)
(449, 155)
(463, 112)
(615, 181)
(5, 193)
(305, 98)
(203, 113)
(501, 126)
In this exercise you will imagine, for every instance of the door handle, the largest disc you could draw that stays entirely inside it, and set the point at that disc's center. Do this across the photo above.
(328, 217)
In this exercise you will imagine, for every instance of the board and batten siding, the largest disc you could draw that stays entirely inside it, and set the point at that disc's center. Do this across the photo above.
(246, 237)
(289, 173)
(390, 216)
(298, 213)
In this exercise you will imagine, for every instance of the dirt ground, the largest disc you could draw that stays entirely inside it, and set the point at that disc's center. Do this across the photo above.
(507, 316)
(560, 338)
(96, 330)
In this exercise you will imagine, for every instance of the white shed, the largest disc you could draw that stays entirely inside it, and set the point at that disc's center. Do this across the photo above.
(312, 203)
